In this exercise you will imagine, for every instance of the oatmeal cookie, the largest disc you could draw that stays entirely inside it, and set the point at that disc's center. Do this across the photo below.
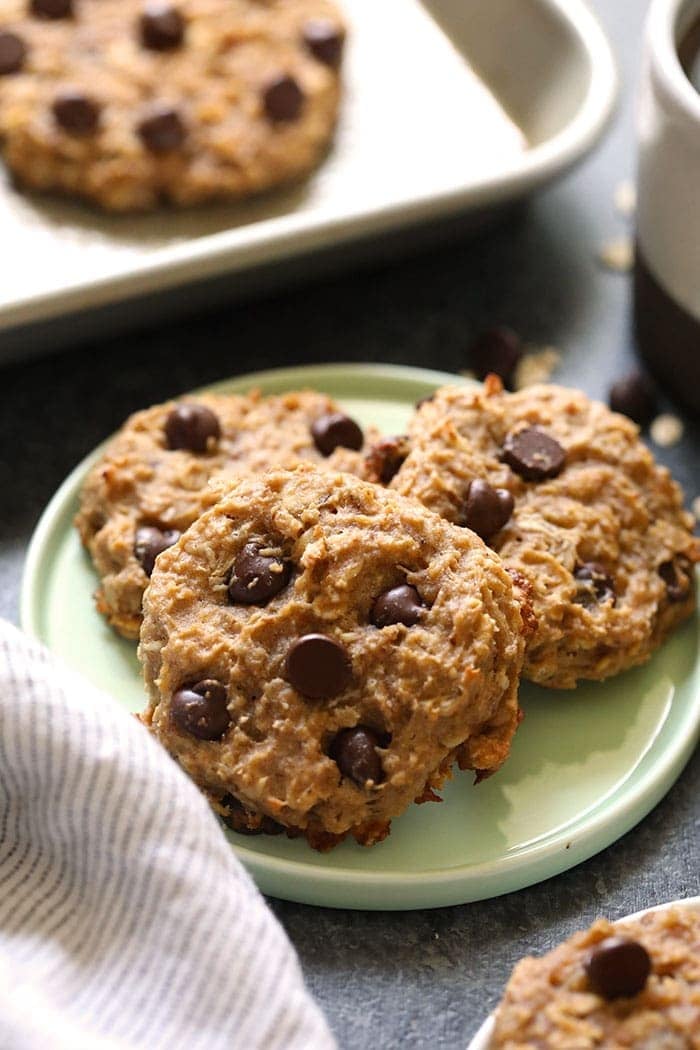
(132, 102)
(318, 652)
(564, 490)
(162, 470)
(633, 984)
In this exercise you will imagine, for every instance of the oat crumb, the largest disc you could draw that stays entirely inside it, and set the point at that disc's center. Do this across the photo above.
(666, 430)
(617, 254)
(536, 366)
(626, 198)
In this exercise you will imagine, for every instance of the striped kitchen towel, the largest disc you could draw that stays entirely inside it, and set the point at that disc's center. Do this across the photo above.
(125, 919)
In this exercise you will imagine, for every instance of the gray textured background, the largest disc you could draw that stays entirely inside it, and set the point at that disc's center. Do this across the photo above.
(420, 979)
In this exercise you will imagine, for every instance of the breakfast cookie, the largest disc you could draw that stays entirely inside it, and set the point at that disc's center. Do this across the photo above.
(568, 495)
(318, 652)
(634, 984)
(133, 102)
(162, 469)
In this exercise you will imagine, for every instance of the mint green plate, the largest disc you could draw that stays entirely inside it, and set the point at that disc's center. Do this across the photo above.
(586, 765)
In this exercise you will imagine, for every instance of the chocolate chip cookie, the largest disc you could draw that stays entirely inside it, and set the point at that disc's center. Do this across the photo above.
(568, 495)
(632, 984)
(132, 102)
(318, 652)
(162, 469)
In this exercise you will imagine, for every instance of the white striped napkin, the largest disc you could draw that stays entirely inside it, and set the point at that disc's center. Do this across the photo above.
(125, 919)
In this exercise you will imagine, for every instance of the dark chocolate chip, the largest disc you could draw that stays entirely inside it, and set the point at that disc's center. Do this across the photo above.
(595, 585)
(385, 458)
(336, 430)
(486, 509)
(13, 52)
(355, 752)
(191, 426)
(497, 350)
(52, 8)
(162, 129)
(324, 40)
(150, 542)
(240, 819)
(676, 574)
(201, 710)
(256, 577)
(283, 98)
(401, 604)
(317, 666)
(76, 113)
(634, 396)
(618, 968)
(533, 454)
(162, 26)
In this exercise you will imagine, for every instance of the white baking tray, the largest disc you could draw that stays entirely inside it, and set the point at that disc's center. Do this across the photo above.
(418, 139)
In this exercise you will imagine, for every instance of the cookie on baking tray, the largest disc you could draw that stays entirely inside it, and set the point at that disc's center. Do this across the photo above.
(133, 102)
(319, 651)
(155, 477)
(570, 497)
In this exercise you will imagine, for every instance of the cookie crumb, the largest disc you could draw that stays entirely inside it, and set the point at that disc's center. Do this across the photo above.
(666, 430)
(695, 507)
(625, 198)
(617, 254)
(536, 366)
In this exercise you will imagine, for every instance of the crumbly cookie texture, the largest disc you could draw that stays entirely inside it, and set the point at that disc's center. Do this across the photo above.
(133, 102)
(144, 491)
(550, 1002)
(564, 490)
(318, 652)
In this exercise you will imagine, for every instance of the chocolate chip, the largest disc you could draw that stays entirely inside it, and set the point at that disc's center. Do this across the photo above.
(676, 574)
(193, 427)
(634, 396)
(336, 430)
(497, 350)
(52, 8)
(385, 458)
(595, 585)
(244, 822)
(317, 666)
(13, 52)
(283, 98)
(150, 542)
(355, 752)
(76, 113)
(256, 577)
(533, 454)
(618, 968)
(401, 604)
(201, 710)
(162, 129)
(324, 40)
(162, 26)
(486, 510)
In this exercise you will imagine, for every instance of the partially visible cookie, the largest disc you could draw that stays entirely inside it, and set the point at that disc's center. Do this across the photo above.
(569, 496)
(634, 984)
(160, 471)
(318, 652)
(133, 102)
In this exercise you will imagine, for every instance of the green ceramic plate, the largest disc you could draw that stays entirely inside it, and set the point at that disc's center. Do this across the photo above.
(586, 765)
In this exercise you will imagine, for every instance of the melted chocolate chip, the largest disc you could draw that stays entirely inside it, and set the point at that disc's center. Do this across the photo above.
(201, 710)
(150, 542)
(162, 26)
(486, 510)
(317, 666)
(355, 752)
(634, 396)
(283, 99)
(676, 574)
(52, 8)
(191, 426)
(497, 350)
(256, 577)
(595, 585)
(162, 130)
(401, 604)
(336, 430)
(533, 454)
(76, 113)
(618, 968)
(385, 458)
(325, 40)
(13, 52)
